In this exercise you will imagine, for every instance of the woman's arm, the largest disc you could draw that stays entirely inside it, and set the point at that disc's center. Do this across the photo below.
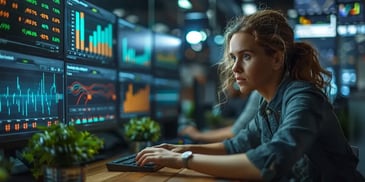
(235, 166)
(211, 148)
(210, 136)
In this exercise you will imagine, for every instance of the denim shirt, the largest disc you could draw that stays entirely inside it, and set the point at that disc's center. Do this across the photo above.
(297, 137)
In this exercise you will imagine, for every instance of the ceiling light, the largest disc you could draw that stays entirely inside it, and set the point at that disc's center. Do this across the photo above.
(185, 4)
(249, 8)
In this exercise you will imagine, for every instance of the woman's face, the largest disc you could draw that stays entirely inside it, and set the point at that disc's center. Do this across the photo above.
(253, 69)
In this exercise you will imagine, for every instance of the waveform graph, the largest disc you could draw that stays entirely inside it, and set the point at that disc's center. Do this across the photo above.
(30, 94)
(90, 101)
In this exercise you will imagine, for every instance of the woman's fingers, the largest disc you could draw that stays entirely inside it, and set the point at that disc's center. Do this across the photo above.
(149, 154)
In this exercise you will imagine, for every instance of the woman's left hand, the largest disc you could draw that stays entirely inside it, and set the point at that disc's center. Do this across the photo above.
(160, 157)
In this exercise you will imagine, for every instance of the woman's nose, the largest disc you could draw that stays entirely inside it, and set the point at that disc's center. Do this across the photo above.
(236, 67)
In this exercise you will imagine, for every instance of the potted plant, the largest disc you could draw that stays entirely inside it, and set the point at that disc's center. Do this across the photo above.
(5, 168)
(141, 132)
(58, 152)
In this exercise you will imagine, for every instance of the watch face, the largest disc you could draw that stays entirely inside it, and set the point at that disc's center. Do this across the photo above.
(186, 154)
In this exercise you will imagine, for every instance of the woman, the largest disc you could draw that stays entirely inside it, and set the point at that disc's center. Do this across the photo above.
(295, 135)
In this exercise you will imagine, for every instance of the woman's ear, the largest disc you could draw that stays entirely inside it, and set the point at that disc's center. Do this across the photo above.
(278, 60)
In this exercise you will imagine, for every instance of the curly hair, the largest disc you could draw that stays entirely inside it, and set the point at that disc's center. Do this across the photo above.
(271, 31)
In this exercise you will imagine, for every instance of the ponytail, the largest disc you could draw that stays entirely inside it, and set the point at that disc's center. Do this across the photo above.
(302, 64)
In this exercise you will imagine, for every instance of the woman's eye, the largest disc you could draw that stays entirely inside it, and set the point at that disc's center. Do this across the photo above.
(233, 58)
(246, 57)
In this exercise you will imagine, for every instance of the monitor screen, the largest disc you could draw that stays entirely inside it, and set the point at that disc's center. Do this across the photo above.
(91, 98)
(350, 12)
(32, 94)
(166, 99)
(315, 26)
(32, 27)
(135, 95)
(134, 47)
(167, 55)
(311, 7)
(89, 34)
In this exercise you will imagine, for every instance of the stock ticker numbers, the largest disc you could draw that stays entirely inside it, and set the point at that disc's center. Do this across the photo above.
(32, 25)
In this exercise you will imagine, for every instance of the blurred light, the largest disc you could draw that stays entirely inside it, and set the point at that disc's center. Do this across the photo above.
(194, 37)
(204, 36)
(119, 12)
(351, 29)
(197, 47)
(342, 30)
(219, 39)
(185, 4)
(195, 16)
(292, 13)
(160, 27)
(132, 18)
(345, 90)
(249, 8)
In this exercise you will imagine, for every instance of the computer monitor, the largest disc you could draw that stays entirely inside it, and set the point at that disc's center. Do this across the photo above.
(312, 7)
(32, 27)
(91, 97)
(31, 95)
(350, 11)
(134, 47)
(89, 34)
(315, 26)
(166, 99)
(167, 55)
(135, 95)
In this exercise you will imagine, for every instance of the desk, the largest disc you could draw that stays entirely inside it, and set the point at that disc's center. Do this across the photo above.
(97, 172)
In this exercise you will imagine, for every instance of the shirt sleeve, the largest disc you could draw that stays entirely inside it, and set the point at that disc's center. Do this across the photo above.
(248, 113)
(246, 139)
(297, 131)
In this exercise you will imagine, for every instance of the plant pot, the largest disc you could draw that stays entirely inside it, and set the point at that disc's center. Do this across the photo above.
(71, 174)
(137, 146)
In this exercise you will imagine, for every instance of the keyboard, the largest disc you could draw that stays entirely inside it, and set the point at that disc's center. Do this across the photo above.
(128, 164)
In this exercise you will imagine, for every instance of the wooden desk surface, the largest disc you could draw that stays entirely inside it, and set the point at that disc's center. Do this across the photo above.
(97, 172)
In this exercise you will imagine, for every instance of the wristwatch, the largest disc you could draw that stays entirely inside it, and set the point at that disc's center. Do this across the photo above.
(185, 158)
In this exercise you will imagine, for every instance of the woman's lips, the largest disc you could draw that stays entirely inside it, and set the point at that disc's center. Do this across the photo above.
(240, 80)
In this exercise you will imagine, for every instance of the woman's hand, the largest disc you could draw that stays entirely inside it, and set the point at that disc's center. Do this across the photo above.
(173, 148)
(159, 156)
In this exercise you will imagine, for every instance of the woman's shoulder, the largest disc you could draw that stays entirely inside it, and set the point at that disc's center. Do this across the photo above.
(299, 84)
(296, 87)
